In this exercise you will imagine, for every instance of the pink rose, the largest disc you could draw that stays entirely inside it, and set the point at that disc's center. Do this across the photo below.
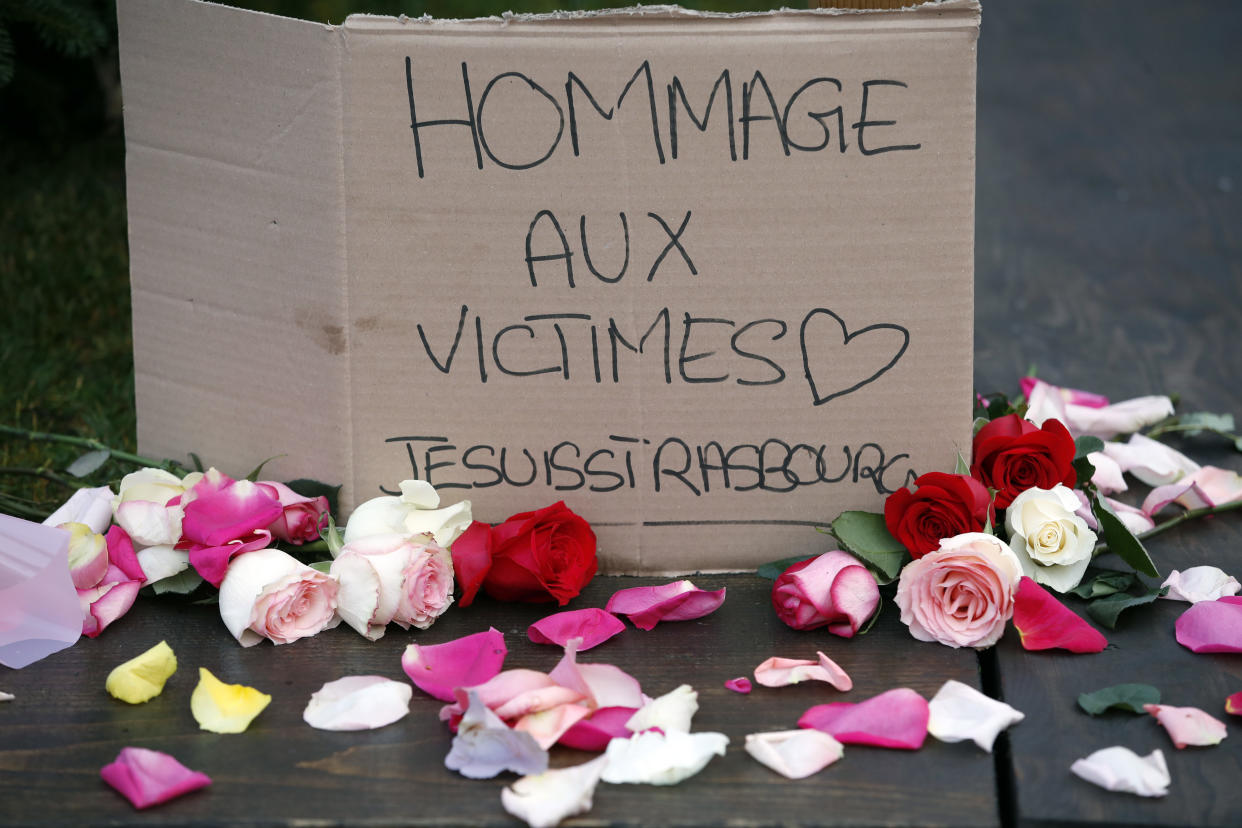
(962, 594)
(270, 594)
(302, 518)
(833, 589)
(389, 578)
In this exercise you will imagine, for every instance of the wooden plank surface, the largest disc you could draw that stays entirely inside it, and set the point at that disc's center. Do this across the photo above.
(1109, 255)
(63, 727)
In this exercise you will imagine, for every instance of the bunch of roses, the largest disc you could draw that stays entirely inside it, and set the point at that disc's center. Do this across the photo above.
(959, 586)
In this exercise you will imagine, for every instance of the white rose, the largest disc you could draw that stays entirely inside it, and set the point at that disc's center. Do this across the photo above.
(388, 578)
(1053, 544)
(415, 512)
(140, 507)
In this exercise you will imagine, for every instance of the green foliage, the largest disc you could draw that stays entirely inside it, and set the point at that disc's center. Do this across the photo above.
(1098, 583)
(773, 569)
(1106, 610)
(73, 28)
(1129, 697)
(1121, 540)
(864, 535)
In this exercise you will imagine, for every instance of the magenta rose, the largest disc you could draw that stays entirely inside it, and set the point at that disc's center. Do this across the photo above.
(962, 594)
(302, 517)
(832, 590)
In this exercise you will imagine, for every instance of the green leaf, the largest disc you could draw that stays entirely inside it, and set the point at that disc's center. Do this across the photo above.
(1129, 697)
(198, 462)
(979, 423)
(773, 569)
(321, 566)
(1106, 610)
(864, 535)
(1120, 539)
(961, 466)
(1199, 421)
(332, 537)
(257, 470)
(314, 488)
(88, 462)
(183, 583)
(1237, 444)
(1098, 582)
(1084, 468)
(875, 616)
(1086, 444)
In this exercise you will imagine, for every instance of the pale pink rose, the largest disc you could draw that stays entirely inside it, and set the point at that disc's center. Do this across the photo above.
(389, 578)
(269, 594)
(961, 595)
(302, 517)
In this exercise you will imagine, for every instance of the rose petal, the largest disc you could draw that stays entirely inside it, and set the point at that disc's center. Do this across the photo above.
(1108, 477)
(6, 696)
(88, 555)
(1220, 486)
(1088, 399)
(655, 758)
(106, 603)
(121, 554)
(1044, 623)
(671, 713)
(535, 700)
(212, 562)
(1212, 626)
(547, 726)
(472, 559)
(92, 507)
(1133, 518)
(437, 669)
(741, 684)
(1121, 769)
(1185, 493)
(1200, 583)
(831, 589)
(596, 731)
(160, 562)
(1233, 704)
(780, 672)
(223, 510)
(894, 719)
(270, 594)
(594, 626)
(142, 678)
(517, 691)
(485, 746)
(958, 712)
(1124, 417)
(358, 703)
(604, 685)
(544, 799)
(225, 708)
(794, 754)
(1188, 725)
(148, 777)
(676, 601)
(148, 523)
(1150, 461)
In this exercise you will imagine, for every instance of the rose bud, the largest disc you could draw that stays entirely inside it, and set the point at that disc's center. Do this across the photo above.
(833, 589)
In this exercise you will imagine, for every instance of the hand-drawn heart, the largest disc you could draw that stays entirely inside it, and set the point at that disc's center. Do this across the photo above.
(840, 332)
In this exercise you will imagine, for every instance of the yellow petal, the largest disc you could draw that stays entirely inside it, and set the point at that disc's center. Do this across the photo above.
(225, 708)
(142, 678)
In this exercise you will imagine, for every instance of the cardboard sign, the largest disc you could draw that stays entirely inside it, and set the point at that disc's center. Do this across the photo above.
(706, 278)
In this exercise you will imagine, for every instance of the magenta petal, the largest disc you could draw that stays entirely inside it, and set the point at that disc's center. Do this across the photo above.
(594, 626)
(894, 719)
(437, 669)
(604, 725)
(148, 777)
(678, 601)
(741, 684)
(212, 562)
(1212, 626)
(224, 510)
(105, 603)
(121, 554)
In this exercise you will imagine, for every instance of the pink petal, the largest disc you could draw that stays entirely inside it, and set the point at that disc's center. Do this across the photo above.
(1185, 493)
(604, 685)
(594, 626)
(1188, 725)
(105, 603)
(1044, 623)
(518, 689)
(1108, 477)
(1212, 626)
(301, 517)
(121, 554)
(1233, 704)
(603, 725)
(1134, 519)
(1219, 486)
(741, 684)
(225, 510)
(677, 601)
(1150, 461)
(212, 562)
(894, 719)
(794, 754)
(780, 672)
(437, 669)
(547, 726)
(536, 700)
(148, 777)
(1089, 399)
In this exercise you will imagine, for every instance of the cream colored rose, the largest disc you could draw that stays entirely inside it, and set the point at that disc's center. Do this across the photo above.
(415, 512)
(1053, 544)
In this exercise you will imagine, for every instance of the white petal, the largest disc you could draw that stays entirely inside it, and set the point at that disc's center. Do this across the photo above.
(6, 696)
(545, 799)
(444, 525)
(1150, 461)
(1200, 583)
(358, 598)
(485, 746)
(92, 507)
(358, 703)
(654, 758)
(420, 494)
(378, 516)
(960, 712)
(246, 576)
(160, 562)
(794, 754)
(671, 712)
(1119, 418)
(1108, 477)
(1121, 769)
(149, 523)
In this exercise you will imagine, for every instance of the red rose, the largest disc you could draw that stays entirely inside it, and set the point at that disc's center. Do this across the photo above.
(941, 506)
(1012, 455)
(548, 555)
